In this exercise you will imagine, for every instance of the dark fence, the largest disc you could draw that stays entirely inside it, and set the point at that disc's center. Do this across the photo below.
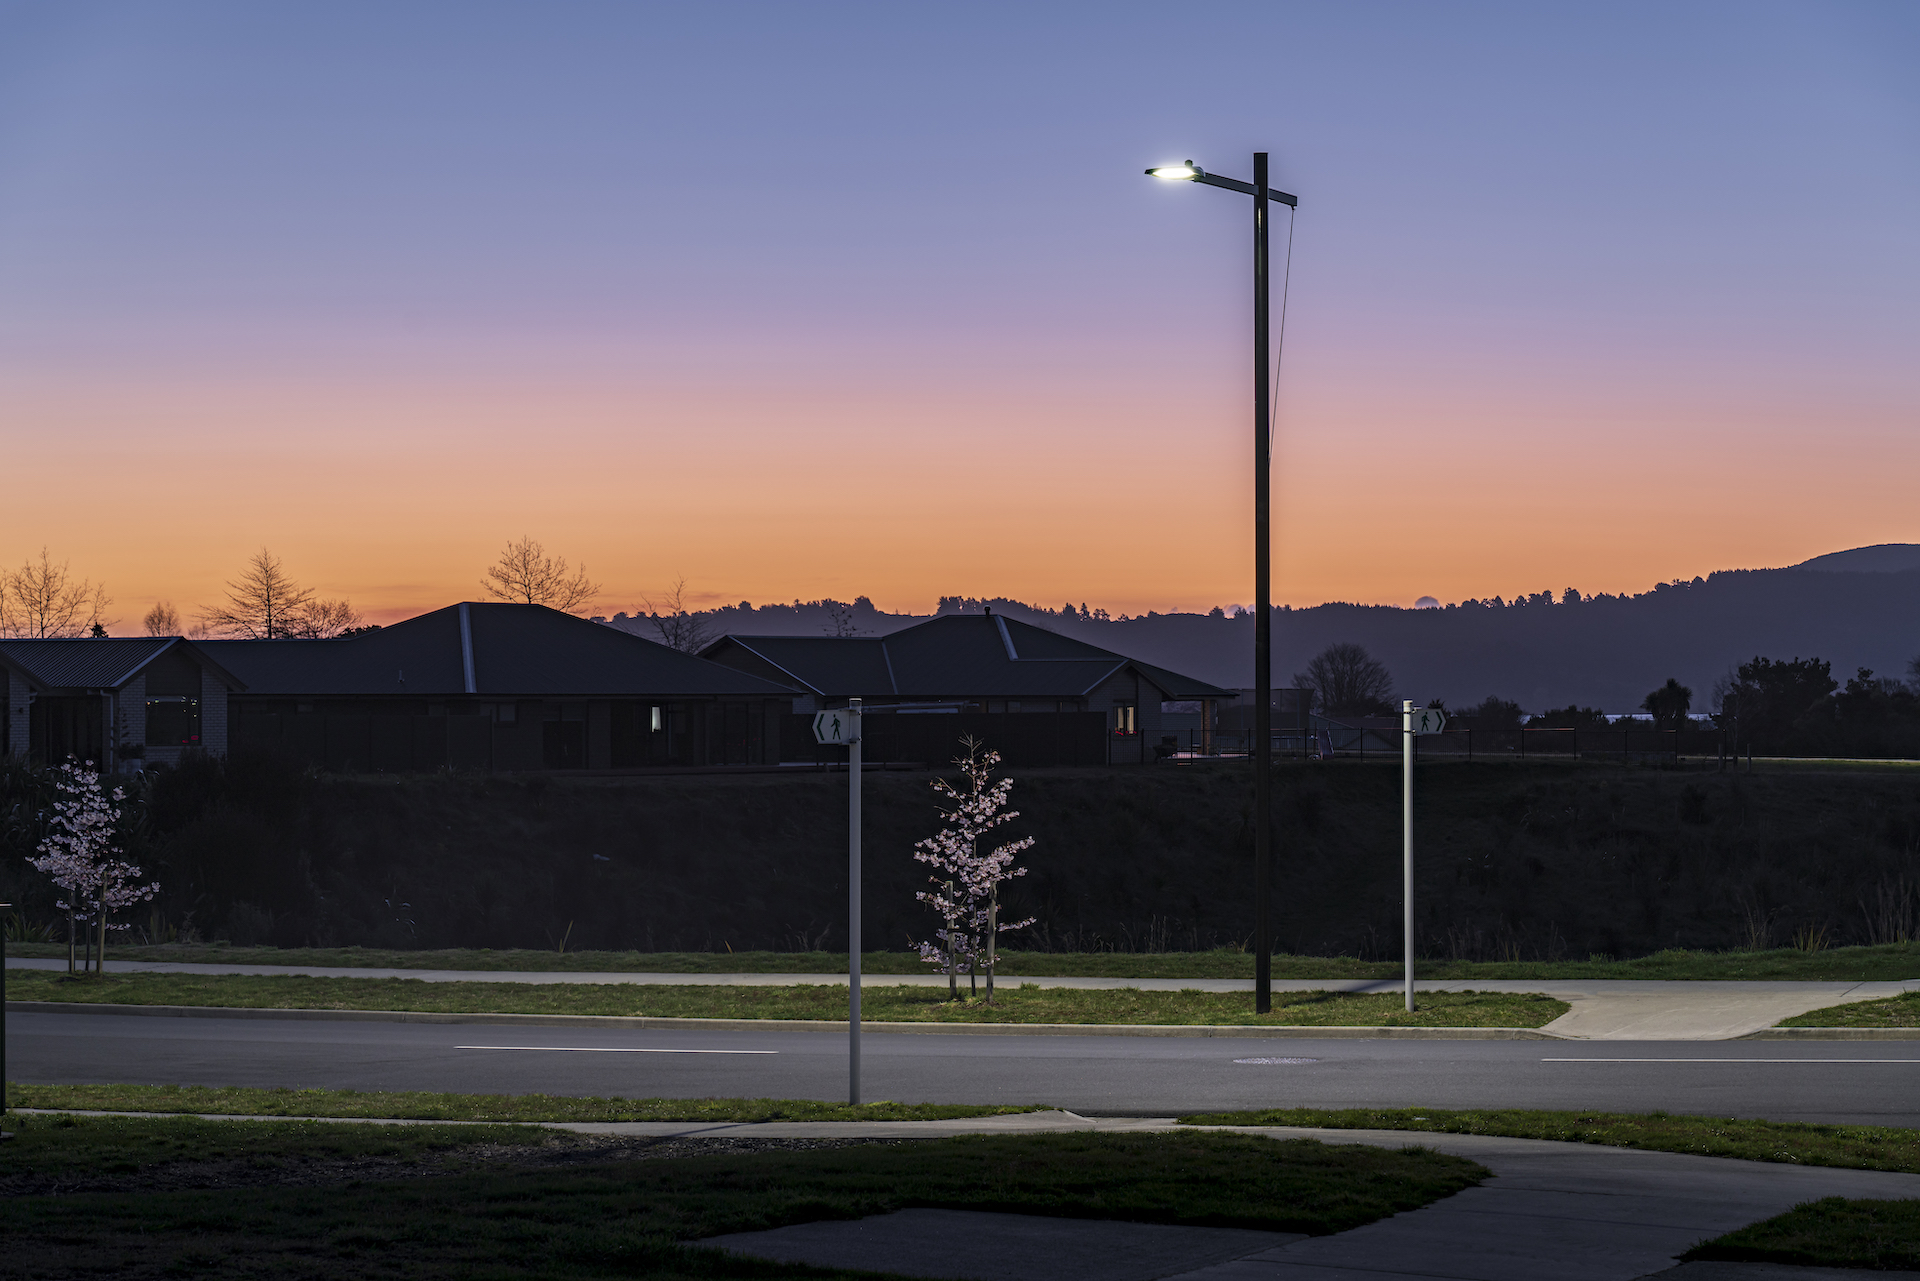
(1025, 739)
(368, 743)
(1514, 744)
(1616, 744)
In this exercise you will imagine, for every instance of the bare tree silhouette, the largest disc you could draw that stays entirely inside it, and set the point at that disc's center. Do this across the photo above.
(266, 604)
(327, 618)
(526, 575)
(44, 600)
(679, 627)
(162, 620)
(1346, 680)
(840, 620)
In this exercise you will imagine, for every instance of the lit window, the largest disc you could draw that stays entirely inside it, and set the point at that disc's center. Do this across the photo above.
(653, 721)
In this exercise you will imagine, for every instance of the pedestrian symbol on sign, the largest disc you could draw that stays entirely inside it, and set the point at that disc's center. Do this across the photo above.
(835, 728)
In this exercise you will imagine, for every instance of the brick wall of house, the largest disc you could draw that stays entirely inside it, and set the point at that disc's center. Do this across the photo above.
(17, 715)
(213, 715)
(130, 722)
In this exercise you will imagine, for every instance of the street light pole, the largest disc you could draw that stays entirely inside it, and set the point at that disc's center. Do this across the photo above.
(1262, 611)
(1262, 565)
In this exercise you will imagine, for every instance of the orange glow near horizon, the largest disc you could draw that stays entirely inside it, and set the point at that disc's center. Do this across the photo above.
(398, 496)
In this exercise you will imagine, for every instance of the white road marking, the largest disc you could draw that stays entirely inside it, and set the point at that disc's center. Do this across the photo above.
(606, 1049)
(1913, 1060)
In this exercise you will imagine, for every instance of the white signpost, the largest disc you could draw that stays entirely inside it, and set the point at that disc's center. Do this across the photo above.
(1426, 720)
(841, 728)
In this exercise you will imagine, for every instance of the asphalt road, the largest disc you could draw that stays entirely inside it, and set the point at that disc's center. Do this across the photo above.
(1838, 1082)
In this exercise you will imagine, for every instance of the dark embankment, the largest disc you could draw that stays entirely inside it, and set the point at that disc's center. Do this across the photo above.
(1522, 861)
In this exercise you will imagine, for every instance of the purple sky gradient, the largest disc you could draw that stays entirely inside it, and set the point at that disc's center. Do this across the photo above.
(1574, 268)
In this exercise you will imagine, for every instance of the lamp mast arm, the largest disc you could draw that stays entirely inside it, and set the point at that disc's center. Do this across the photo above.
(1247, 188)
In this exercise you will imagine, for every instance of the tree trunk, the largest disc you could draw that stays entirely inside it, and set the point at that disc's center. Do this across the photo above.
(953, 954)
(103, 927)
(69, 940)
(993, 936)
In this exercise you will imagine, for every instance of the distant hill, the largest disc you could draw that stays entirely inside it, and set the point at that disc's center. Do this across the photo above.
(1858, 608)
(1604, 652)
(1881, 558)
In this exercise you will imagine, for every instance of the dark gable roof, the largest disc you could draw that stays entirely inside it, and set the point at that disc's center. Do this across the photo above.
(819, 663)
(106, 662)
(955, 656)
(517, 650)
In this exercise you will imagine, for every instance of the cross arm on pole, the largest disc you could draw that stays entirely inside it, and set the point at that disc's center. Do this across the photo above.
(1247, 188)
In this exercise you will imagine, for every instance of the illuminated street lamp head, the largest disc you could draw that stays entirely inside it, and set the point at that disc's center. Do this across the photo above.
(1178, 173)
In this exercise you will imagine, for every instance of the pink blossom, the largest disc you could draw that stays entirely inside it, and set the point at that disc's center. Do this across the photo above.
(966, 881)
(79, 854)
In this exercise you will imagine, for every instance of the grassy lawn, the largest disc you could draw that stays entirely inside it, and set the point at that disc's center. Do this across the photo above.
(1894, 1011)
(1829, 1233)
(624, 1217)
(420, 1105)
(1031, 1004)
(1854, 1147)
(1890, 961)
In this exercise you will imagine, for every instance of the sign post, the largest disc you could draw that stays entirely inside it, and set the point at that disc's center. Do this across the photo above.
(843, 728)
(3, 1018)
(1427, 720)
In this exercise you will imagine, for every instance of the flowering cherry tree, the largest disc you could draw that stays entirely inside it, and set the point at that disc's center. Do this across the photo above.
(79, 855)
(966, 892)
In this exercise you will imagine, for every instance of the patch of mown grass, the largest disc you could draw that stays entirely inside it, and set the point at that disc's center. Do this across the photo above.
(1894, 1011)
(1833, 1232)
(420, 1105)
(1855, 1147)
(1883, 962)
(901, 1003)
(121, 1145)
(628, 1219)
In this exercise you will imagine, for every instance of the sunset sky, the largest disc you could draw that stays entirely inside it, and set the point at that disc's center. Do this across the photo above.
(797, 300)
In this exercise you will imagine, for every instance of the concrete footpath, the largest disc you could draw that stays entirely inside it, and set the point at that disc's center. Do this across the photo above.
(1561, 1210)
(1603, 1009)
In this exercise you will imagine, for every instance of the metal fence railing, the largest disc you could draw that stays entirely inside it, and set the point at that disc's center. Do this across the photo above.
(1504, 744)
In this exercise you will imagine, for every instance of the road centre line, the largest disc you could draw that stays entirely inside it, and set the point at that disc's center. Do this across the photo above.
(1910, 1061)
(607, 1049)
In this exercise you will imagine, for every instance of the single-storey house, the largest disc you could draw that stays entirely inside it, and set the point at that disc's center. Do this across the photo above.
(1104, 708)
(499, 687)
(115, 701)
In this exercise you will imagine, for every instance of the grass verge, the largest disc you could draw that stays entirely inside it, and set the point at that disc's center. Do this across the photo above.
(1029, 1004)
(1894, 1011)
(420, 1105)
(625, 1218)
(67, 1145)
(1889, 961)
(1830, 1233)
(1854, 1147)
